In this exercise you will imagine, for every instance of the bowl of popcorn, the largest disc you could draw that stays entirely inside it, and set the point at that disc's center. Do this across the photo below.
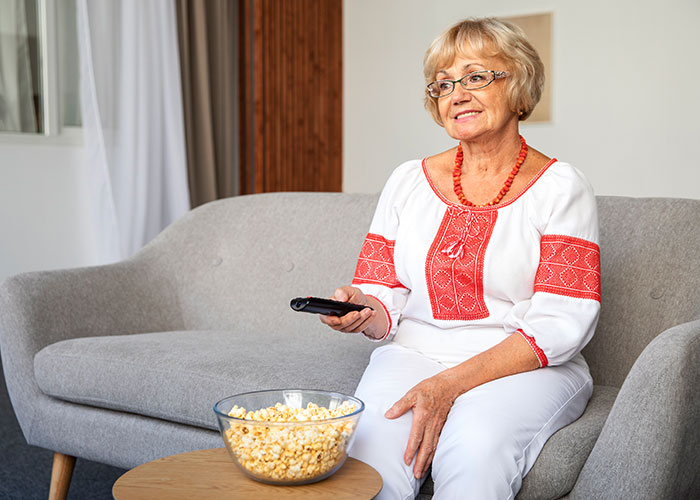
(288, 436)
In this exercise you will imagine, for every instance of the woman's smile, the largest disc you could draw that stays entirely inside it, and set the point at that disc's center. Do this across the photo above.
(468, 114)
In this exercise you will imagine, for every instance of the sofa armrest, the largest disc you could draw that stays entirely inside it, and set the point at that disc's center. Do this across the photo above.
(648, 446)
(41, 308)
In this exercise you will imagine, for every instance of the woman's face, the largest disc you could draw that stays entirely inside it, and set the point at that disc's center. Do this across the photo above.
(471, 114)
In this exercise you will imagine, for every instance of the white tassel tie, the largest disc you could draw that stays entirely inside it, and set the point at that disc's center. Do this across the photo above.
(456, 249)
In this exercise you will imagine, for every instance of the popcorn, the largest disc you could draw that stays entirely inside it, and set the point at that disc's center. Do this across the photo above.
(290, 453)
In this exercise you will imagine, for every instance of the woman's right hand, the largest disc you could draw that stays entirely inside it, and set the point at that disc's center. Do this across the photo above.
(367, 320)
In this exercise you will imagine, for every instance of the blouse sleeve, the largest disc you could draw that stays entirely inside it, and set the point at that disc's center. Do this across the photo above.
(375, 273)
(560, 317)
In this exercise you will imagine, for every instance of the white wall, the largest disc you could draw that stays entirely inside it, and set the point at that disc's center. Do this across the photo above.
(43, 222)
(631, 135)
(632, 132)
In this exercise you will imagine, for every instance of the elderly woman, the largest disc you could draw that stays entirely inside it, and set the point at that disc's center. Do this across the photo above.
(483, 271)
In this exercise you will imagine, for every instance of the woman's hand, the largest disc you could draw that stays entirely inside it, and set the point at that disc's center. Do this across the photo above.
(431, 401)
(354, 321)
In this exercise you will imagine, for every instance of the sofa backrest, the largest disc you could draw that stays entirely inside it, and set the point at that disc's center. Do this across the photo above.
(241, 260)
(650, 251)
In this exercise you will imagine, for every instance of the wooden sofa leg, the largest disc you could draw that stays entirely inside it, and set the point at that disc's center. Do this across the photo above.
(60, 476)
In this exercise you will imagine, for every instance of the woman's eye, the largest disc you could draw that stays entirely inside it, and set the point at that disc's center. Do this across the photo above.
(444, 86)
(476, 78)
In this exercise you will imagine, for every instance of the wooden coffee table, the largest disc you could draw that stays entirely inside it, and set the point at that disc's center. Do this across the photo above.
(208, 474)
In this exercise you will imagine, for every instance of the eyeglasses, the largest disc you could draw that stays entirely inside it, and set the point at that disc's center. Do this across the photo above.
(471, 81)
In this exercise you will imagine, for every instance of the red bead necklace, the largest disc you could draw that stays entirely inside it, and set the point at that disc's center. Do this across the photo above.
(457, 176)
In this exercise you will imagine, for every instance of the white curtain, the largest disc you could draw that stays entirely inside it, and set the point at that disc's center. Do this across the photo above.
(132, 121)
(16, 90)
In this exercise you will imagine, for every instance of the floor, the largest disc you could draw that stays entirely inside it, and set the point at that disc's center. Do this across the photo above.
(25, 471)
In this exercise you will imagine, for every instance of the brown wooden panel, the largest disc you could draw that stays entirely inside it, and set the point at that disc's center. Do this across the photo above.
(293, 131)
(245, 58)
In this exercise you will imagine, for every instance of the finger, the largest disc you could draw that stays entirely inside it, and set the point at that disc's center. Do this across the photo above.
(326, 320)
(341, 294)
(361, 321)
(355, 295)
(424, 455)
(414, 440)
(428, 463)
(352, 321)
(399, 408)
(332, 321)
(368, 317)
(340, 323)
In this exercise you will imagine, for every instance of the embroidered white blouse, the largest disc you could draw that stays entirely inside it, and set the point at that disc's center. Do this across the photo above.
(458, 280)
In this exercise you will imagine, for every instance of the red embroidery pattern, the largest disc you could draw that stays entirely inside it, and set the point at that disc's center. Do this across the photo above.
(541, 356)
(569, 266)
(376, 263)
(454, 269)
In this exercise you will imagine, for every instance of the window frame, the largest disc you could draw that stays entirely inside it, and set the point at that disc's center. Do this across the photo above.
(53, 132)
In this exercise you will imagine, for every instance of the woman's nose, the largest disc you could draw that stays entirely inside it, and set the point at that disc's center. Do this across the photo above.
(460, 94)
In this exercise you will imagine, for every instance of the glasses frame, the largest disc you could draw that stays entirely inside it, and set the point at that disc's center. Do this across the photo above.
(495, 76)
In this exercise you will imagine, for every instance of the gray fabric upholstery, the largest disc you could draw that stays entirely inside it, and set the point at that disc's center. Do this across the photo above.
(121, 363)
(241, 260)
(650, 250)
(563, 456)
(649, 446)
(178, 376)
(116, 438)
(38, 309)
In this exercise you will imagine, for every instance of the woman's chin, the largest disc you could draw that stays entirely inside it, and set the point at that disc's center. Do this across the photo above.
(466, 134)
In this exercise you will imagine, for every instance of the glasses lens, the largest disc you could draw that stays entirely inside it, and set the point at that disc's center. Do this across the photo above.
(440, 88)
(477, 80)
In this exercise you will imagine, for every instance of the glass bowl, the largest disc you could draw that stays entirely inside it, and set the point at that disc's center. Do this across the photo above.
(288, 452)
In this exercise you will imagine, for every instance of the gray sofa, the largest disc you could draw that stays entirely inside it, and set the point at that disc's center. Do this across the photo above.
(121, 364)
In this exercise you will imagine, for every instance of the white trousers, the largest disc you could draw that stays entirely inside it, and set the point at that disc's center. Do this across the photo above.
(493, 433)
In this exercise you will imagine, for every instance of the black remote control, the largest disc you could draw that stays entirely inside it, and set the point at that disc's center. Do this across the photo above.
(324, 306)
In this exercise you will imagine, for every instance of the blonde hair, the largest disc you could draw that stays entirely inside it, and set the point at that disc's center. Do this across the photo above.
(489, 37)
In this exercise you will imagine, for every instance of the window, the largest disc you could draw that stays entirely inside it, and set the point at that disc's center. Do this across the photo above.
(39, 66)
(68, 64)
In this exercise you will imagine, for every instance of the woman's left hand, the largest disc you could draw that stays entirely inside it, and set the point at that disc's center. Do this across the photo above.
(430, 401)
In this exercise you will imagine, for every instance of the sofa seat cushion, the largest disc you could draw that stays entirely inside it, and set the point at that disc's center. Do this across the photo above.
(562, 458)
(179, 375)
